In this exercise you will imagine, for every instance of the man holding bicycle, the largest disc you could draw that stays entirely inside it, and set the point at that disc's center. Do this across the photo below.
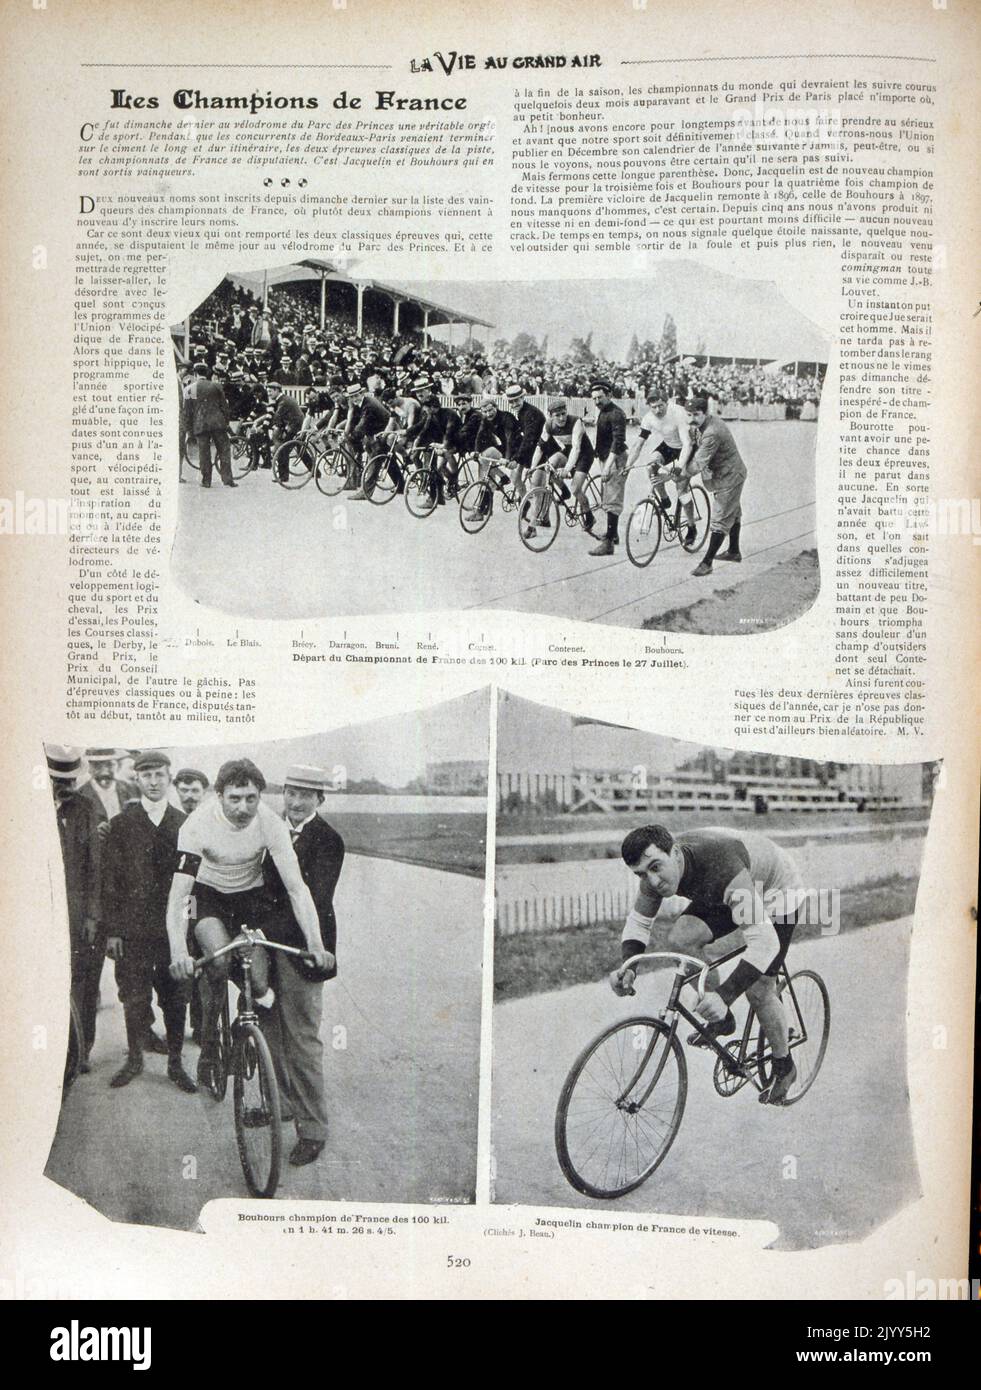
(293, 1029)
(703, 885)
(219, 885)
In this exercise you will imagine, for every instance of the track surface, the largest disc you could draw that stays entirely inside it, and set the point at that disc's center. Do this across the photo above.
(402, 1094)
(850, 1135)
(358, 558)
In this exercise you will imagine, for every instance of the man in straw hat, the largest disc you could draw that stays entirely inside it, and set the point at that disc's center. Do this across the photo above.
(294, 1022)
(106, 791)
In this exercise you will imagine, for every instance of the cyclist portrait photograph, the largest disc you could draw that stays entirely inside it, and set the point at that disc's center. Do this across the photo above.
(688, 925)
(271, 920)
(636, 452)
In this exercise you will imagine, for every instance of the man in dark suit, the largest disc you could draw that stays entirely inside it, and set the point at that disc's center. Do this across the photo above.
(141, 850)
(106, 791)
(293, 1024)
(206, 416)
(81, 853)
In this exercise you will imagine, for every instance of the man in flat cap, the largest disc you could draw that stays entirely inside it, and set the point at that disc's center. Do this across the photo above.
(190, 786)
(140, 851)
(81, 854)
(293, 1027)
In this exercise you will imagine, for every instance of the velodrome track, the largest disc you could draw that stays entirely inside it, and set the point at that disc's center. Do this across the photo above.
(402, 1094)
(850, 1135)
(262, 551)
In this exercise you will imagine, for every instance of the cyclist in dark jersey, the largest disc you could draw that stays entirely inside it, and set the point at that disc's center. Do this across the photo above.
(366, 423)
(564, 435)
(437, 424)
(719, 881)
(492, 439)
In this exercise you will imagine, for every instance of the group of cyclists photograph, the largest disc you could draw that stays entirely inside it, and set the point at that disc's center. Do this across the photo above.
(405, 444)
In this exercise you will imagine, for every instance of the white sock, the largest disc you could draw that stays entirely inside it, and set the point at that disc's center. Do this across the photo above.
(267, 1000)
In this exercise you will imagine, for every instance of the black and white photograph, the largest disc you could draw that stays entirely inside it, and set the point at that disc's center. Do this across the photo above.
(632, 452)
(700, 977)
(276, 966)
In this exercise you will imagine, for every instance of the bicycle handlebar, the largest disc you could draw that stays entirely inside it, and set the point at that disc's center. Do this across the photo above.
(702, 968)
(247, 938)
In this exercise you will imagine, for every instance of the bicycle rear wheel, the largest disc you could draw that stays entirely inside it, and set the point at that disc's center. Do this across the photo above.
(421, 491)
(702, 519)
(191, 453)
(330, 473)
(294, 463)
(475, 507)
(257, 1111)
(644, 532)
(805, 998)
(621, 1107)
(241, 455)
(538, 519)
(469, 472)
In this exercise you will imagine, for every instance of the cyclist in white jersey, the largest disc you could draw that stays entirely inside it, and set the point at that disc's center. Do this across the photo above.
(666, 424)
(219, 886)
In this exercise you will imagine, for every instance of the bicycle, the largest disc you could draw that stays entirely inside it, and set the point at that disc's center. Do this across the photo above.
(389, 467)
(652, 517)
(335, 462)
(608, 1113)
(476, 497)
(295, 460)
(242, 1052)
(542, 506)
(242, 462)
(424, 483)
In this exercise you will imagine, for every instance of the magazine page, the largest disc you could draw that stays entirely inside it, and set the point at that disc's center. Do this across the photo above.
(523, 845)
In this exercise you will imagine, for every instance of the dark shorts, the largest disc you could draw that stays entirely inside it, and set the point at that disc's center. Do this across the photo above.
(251, 908)
(720, 923)
(667, 452)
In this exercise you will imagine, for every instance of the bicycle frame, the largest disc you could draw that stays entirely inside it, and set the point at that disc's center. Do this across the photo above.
(696, 975)
(245, 944)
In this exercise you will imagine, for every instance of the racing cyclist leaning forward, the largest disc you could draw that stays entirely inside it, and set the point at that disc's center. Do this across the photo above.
(703, 885)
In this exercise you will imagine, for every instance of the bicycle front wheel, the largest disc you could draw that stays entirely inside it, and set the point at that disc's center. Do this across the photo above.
(621, 1107)
(294, 463)
(805, 998)
(644, 532)
(475, 507)
(218, 1083)
(330, 474)
(421, 491)
(538, 519)
(701, 519)
(257, 1111)
(386, 483)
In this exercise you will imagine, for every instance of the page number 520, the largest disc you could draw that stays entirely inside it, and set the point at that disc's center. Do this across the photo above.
(457, 1262)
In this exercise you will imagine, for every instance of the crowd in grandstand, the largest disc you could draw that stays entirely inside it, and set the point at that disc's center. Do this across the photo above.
(231, 332)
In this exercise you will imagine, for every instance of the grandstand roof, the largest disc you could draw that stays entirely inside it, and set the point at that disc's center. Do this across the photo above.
(316, 269)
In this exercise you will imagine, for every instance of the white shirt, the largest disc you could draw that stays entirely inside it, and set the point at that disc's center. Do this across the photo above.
(156, 810)
(109, 799)
(672, 428)
(231, 856)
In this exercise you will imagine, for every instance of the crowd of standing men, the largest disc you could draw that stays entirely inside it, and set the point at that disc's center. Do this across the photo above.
(125, 832)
